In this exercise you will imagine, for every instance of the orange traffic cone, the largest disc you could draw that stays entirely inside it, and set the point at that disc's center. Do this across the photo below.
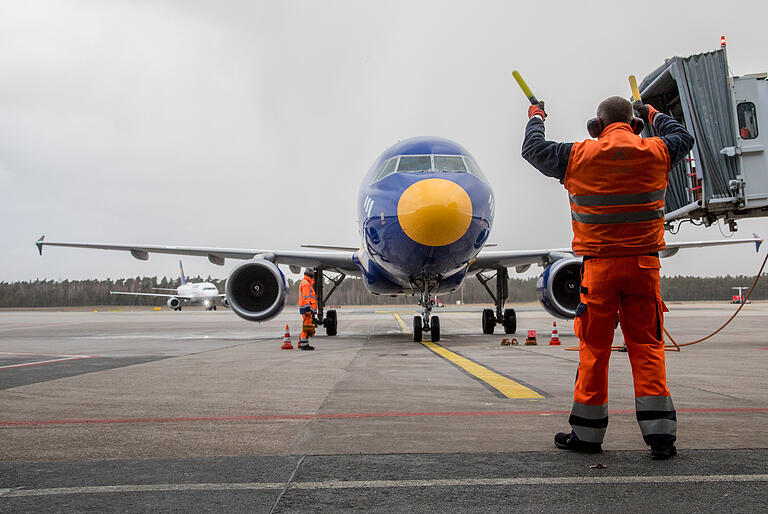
(555, 341)
(531, 339)
(287, 340)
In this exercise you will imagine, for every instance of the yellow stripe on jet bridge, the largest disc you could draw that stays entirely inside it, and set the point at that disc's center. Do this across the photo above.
(506, 387)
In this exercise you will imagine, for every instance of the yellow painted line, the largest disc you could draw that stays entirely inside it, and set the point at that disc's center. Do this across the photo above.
(504, 386)
(402, 324)
(507, 387)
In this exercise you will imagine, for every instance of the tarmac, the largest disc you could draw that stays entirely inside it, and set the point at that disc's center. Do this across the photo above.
(119, 410)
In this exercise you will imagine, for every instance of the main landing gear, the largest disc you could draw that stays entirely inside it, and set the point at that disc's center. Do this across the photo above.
(329, 320)
(501, 316)
(425, 322)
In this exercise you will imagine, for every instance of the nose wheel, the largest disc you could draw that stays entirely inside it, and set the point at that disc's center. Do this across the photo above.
(425, 321)
(419, 328)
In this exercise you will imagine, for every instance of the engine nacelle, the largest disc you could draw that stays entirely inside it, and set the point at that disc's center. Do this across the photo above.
(256, 290)
(558, 288)
(174, 303)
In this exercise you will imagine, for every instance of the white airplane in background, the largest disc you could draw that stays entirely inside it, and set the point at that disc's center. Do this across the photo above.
(195, 293)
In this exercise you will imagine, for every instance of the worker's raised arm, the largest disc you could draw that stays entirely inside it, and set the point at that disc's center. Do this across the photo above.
(677, 139)
(548, 157)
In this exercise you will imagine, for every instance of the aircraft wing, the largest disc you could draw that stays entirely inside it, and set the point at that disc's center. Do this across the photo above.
(181, 297)
(523, 259)
(337, 261)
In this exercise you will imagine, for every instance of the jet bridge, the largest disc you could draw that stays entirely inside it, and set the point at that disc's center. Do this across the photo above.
(726, 174)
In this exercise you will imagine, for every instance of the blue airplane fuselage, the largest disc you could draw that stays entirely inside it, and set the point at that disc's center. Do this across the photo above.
(425, 210)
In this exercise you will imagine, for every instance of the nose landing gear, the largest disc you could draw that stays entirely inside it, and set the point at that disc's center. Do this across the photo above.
(505, 317)
(425, 322)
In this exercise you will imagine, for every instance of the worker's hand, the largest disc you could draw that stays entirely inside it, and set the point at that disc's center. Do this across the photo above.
(535, 109)
(645, 112)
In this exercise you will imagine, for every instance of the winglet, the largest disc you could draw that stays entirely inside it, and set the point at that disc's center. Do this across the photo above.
(758, 241)
(39, 244)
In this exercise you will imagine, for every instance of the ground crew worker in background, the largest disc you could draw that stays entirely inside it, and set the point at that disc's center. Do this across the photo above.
(616, 186)
(307, 306)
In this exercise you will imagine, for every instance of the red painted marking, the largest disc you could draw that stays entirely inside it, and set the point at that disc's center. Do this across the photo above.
(762, 348)
(344, 415)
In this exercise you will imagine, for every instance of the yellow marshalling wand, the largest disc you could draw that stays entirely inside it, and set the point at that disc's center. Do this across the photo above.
(526, 90)
(635, 89)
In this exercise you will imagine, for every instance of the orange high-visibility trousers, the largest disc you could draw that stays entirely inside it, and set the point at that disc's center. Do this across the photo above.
(629, 287)
(306, 319)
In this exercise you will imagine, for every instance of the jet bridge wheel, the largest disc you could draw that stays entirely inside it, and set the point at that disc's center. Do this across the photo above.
(434, 328)
(510, 321)
(417, 328)
(489, 321)
(331, 323)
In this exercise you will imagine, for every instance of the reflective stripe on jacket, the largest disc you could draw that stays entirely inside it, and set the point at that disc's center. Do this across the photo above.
(307, 293)
(616, 187)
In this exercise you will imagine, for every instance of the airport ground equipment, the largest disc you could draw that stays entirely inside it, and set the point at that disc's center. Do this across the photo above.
(726, 176)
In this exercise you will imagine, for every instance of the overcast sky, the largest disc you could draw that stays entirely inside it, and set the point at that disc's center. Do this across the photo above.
(250, 124)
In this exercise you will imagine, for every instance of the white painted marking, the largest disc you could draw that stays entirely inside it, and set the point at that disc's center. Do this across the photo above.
(379, 484)
(44, 362)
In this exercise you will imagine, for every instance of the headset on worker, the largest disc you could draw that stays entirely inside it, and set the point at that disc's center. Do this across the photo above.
(595, 126)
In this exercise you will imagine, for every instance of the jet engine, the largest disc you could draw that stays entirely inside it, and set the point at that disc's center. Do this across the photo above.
(174, 303)
(558, 287)
(224, 301)
(256, 290)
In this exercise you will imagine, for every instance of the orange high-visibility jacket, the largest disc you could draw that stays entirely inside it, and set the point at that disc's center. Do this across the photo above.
(616, 187)
(307, 293)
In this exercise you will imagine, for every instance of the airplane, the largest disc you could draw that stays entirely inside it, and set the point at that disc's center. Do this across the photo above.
(188, 293)
(425, 212)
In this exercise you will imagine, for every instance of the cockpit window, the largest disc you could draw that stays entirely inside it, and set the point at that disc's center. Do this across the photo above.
(386, 169)
(451, 163)
(415, 163)
(474, 168)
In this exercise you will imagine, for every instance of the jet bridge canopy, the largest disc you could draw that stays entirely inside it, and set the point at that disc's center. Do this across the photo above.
(726, 176)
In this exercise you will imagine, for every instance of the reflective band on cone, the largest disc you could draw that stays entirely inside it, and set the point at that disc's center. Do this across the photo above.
(287, 340)
(555, 341)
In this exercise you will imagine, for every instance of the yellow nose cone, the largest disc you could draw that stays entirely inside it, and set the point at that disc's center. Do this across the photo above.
(435, 212)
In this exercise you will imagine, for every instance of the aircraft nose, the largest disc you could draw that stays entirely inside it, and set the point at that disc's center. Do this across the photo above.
(434, 212)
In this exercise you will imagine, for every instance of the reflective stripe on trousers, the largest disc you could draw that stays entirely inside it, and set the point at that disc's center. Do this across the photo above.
(589, 421)
(657, 418)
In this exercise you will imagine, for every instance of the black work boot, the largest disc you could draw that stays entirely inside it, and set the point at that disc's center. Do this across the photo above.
(573, 443)
(307, 347)
(663, 451)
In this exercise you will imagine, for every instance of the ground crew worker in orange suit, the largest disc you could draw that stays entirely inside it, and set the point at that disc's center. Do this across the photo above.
(307, 306)
(616, 185)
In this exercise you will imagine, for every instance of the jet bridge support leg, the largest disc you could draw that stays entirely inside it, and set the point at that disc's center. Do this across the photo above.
(501, 316)
(329, 320)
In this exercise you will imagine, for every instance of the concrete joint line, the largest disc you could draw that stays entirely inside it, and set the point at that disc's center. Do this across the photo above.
(380, 484)
(287, 484)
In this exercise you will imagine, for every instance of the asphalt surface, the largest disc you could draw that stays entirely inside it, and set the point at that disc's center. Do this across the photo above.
(193, 410)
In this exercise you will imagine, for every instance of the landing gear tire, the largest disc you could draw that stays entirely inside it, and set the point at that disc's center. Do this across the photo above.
(510, 321)
(331, 323)
(417, 328)
(177, 309)
(489, 321)
(214, 308)
(434, 328)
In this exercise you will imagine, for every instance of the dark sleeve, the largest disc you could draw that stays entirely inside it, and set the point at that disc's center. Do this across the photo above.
(678, 140)
(548, 157)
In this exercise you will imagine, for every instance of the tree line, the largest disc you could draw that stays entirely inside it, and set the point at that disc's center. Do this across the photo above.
(50, 293)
